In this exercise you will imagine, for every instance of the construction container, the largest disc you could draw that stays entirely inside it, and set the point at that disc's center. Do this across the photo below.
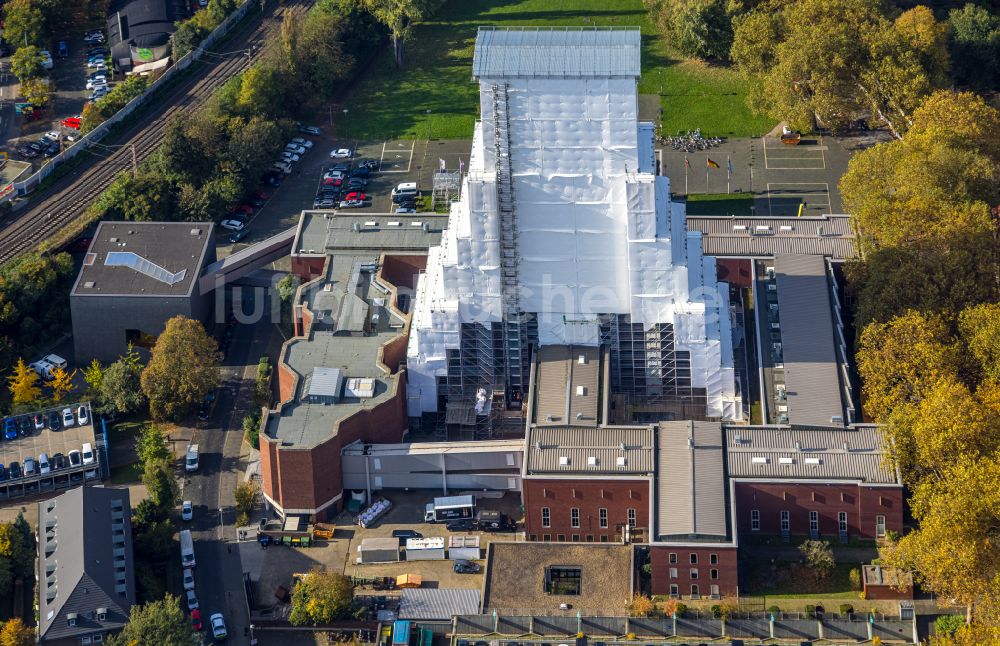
(378, 550)
(463, 547)
(425, 549)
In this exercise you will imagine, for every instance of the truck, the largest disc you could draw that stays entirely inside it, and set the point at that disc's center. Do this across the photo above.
(450, 508)
(489, 520)
(187, 549)
(191, 459)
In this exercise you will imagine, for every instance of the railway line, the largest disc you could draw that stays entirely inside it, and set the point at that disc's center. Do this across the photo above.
(68, 198)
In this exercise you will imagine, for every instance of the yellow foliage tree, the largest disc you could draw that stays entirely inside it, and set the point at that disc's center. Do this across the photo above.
(640, 606)
(61, 384)
(15, 633)
(24, 388)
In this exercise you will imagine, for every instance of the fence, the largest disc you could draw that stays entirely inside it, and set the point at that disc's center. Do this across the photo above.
(95, 135)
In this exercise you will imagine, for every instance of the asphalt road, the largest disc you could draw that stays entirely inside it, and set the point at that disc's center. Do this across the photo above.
(218, 579)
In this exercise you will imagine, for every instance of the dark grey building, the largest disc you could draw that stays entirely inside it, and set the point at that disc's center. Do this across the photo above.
(135, 277)
(86, 573)
(139, 32)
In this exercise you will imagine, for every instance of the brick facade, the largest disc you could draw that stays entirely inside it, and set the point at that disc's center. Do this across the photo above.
(704, 573)
(589, 497)
(308, 267)
(860, 504)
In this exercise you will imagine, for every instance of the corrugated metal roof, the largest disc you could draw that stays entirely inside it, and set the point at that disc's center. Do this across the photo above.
(691, 480)
(830, 236)
(325, 382)
(547, 447)
(817, 453)
(437, 603)
(560, 380)
(811, 372)
(569, 52)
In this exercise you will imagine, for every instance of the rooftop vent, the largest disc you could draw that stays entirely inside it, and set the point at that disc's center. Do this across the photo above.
(798, 446)
(582, 359)
(813, 461)
(113, 240)
(847, 447)
(591, 461)
(196, 232)
(760, 459)
(564, 460)
(621, 461)
(89, 284)
(581, 391)
(786, 461)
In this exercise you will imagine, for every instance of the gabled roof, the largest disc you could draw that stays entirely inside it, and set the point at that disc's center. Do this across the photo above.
(84, 562)
(691, 481)
(575, 450)
(574, 52)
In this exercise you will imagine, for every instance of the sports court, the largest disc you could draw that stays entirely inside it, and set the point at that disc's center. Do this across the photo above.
(785, 199)
(809, 154)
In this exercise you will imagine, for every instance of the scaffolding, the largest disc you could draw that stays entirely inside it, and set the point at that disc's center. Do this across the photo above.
(446, 187)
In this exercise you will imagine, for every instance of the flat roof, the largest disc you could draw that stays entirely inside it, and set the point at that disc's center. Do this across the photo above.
(46, 441)
(437, 603)
(811, 370)
(691, 481)
(302, 423)
(567, 385)
(145, 259)
(557, 52)
(828, 235)
(572, 450)
(435, 448)
(515, 576)
(832, 453)
(323, 232)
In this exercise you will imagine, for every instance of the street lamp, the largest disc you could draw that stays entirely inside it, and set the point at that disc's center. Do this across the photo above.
(429, 124)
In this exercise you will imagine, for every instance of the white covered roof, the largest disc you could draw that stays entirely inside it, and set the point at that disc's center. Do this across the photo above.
(573, 52)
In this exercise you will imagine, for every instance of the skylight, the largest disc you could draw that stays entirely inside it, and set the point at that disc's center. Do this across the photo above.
(143, 266)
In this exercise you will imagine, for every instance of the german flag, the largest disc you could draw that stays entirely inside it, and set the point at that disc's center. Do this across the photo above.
(711, 164)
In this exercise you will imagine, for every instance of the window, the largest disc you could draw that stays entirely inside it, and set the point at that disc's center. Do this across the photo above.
(755, 520)
(532, 537)
(575, 538)
(546, 518)
(694, 558)
(631, 517)
(714, 574)
(604, 538)
(694, 573)
(674, 590)
(673, 557)
(694, 590)
(546, 538)
(673, 573)
(590, 538)
(785, 523)
(842, 521)
(880, 527)
(99, 638)
(562, 580)
(814, 522)
(603, 512)
(561, 538)
(713, 559)
(574, 517)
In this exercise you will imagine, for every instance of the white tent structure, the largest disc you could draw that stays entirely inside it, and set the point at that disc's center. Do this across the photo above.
(562, 221)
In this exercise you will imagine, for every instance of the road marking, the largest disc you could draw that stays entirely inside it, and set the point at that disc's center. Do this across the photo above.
(409, 162)
(808, 203)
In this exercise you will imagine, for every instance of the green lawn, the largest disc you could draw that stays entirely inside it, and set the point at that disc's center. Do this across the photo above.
(795, 581)
(126, 474)
(719, 204)
(435, 97)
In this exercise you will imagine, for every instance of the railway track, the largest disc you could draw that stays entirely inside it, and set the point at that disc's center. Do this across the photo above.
(68, 198)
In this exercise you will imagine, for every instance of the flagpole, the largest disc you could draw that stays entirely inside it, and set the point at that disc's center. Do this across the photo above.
(707, 167)
(687, 167)
(729, 172)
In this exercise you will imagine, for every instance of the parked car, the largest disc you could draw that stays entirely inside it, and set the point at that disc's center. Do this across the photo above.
(290, 156)
(93, 37)
(47, 59)
(232, 224)
(188, 579)
(404, 534)
(14, 470)
(305, 143)
(3, 473)
(59, 461)
(39, 421)
(99, 82)
(324, 203)
(218, 627)
(370, 164)
(97, 63)
(341, 153)
(196, 619)
(52, 149)
(310, 130)
(463, 566)
(282, 167)
(63, 49)
(192, 600)
(239, 235)
(187, 511)
(30, 467)
(87, 453)
(71, 122)
(271, 178)
(295, 148)
(24, 425)
(405, 210)
(461, 525)
(98, 93)
(343, 167)
(10, 429)
(82, 416)
(67, 418)
(74, 458)
(44, 466)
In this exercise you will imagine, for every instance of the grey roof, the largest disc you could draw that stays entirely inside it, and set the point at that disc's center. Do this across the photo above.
(380, 543)
(829, 236)
(81, 565)
(322, 232)
(568, 52)
(353, 314)
(326, 382)
(811, 370)
(437, 603)
(559, 378)
(545, 446)
(691, 497)
(145, 259)
(855, 453)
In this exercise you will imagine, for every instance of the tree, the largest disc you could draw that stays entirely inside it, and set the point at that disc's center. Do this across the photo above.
(953, 551)
(640, 606)
(36, 91)
(901, 360)
(184, 367)
(819, 557)
(698, 28)
(16, 548)
(157, 622)
(93, 375)
(24, 387)
(979, 326)
(26, 63)
(151, 445)
(320, 597)
(61, 384)
(15, 633)
(121, 388)
(24, 23)
(158, 476)
(928, 38)
(975, 46)
(398, 16)
(246, 497)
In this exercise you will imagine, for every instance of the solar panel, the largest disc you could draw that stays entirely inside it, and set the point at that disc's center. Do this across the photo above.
(138, 263)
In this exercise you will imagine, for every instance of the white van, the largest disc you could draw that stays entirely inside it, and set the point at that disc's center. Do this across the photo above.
(191, 459)
(187, 549)
(56, 361)
(405, 187)
(88, 454)
(43, 368)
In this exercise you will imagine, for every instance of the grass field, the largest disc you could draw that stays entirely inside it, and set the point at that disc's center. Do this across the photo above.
(434, 95)
(794, 581)
(720, 204)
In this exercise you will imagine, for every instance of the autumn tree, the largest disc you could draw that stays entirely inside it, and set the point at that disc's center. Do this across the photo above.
(901, 360)
(37, 92)
(61, 384)
(184, 367)
(93, 375)
(151, 445)
(320, 597)
(927, 38)
(640, 606)
(26, 63)
(23, 384)
(819, 557)
(953, 551)
(16, 633)
(24, 23)
(398, 16)
(979, 326)
(699, 28)
(246, 495)
(121, 387)
(159, 622)
(161, 486)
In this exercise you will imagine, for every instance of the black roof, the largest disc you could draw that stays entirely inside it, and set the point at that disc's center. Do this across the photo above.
(146, 23)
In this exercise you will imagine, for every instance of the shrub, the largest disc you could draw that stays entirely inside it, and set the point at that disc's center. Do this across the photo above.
(640, 606)
(251, 430)
(774, 610)
(716, 611)
(810, 611)
(680, 609)
(855, 578)
(948, 624)
(846, 609)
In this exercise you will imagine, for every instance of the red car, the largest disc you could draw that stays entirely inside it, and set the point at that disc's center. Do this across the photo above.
(245, 208)
(332, 181)
(71, 122)
(260, 195)
(354, 195)
(196, 619)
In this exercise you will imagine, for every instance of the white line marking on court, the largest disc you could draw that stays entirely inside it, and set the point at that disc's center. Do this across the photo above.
(408, 164)
(826, 192)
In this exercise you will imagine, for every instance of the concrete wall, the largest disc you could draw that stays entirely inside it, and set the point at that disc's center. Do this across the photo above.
(725, 569)
(861, 503)
(561, 495)
(100, 322)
